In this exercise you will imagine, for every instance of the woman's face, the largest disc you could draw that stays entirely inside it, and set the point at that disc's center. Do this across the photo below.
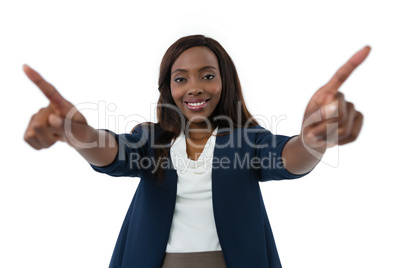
(196, 84)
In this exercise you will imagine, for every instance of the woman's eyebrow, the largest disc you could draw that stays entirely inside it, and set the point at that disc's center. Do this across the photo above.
(201, 69)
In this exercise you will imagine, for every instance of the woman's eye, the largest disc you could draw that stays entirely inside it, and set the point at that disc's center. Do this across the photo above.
(179, 78)
(209, 75)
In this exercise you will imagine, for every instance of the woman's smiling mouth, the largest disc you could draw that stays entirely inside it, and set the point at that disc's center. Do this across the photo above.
(196, 105)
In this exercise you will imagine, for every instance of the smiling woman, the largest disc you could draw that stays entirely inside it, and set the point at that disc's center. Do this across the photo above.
(194, 206)
(196, 88)
(195, 69)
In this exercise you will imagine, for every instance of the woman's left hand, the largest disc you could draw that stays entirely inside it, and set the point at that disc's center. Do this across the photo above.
(329, 119)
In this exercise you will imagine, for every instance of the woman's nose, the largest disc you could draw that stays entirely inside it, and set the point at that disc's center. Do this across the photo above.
(195, 88)
(194, 91)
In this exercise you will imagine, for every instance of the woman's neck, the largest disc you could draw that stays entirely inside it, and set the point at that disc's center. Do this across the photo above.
(200, 131)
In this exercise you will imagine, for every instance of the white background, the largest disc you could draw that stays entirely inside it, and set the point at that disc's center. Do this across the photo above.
(57, 212)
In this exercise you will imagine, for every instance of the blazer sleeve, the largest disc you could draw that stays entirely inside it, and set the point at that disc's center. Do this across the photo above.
(132, 148)
(269, 152)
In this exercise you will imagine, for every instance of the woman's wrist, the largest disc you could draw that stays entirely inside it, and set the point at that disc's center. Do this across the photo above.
(82, 137)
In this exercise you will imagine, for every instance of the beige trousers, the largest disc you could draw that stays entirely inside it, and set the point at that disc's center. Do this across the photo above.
(206, 259)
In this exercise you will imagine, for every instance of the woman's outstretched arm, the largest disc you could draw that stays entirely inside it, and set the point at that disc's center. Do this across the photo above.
(61, 121)
(329, 120)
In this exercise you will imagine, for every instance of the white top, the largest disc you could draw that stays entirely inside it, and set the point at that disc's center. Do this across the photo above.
(193, 226)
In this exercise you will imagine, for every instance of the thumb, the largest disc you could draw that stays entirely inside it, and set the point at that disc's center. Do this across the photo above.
(72, 132)
(321, 106)
(57, 123)
(321, 99)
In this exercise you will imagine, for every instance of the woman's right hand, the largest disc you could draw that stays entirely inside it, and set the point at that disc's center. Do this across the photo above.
(59, 121)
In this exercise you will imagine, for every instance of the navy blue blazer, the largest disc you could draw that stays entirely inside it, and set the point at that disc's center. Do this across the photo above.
(242, 158)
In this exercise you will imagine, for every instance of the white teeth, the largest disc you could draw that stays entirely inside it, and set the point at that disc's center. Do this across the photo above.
(196, 103)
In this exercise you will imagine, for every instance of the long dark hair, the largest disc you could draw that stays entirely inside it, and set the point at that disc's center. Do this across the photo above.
(231, 103)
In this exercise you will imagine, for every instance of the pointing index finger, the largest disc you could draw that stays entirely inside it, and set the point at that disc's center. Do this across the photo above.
(343, 73)
(50, 92)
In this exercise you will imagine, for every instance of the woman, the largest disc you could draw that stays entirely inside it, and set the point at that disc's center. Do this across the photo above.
(198, 203)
